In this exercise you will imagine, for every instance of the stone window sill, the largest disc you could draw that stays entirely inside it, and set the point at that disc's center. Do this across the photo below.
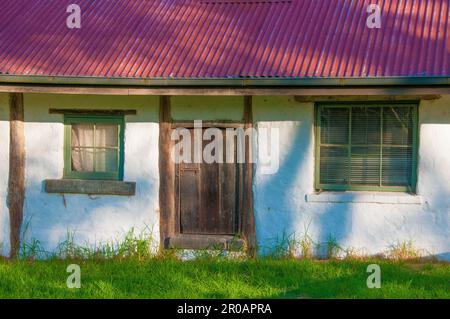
(364, 197)
(90, 187)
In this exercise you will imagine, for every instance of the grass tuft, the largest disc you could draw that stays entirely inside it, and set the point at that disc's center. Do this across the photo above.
(284, 247)
(133, 245)
(404, 250)
(333, 248)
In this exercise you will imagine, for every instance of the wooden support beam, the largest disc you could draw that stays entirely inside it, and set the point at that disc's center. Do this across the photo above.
(16, 179)
(248, 219)
(166, 175)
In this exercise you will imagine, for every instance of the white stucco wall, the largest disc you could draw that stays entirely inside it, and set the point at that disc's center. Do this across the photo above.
(368, 222)
(4, 168)
(207, 107)
(284, 202)
(92, 219)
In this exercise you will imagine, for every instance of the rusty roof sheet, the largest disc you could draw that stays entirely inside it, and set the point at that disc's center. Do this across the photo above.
(225, 39)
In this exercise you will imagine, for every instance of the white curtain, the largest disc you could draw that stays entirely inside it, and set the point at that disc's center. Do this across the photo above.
(106, 148)
(106, 143)
(83, 158)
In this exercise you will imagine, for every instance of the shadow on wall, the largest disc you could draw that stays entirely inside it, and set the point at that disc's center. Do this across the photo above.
(91, 220)
(443, 256)
(281, 212)
(434, 153)
(281, 209)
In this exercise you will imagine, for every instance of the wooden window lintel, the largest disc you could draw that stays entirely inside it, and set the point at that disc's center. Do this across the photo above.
(91, 112)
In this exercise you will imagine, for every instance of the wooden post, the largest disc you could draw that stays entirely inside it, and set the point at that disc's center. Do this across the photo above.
(166, 174)
(248, 218)
(16, 179)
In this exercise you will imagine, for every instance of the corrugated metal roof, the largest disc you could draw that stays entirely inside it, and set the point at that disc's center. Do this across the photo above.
(225, 38)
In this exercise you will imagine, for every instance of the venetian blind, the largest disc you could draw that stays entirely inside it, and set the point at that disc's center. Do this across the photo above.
(366, 145)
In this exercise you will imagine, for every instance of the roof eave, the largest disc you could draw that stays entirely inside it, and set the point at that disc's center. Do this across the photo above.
(224, 82)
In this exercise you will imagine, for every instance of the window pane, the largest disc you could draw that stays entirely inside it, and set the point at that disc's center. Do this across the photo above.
(366, 126)
(106, 135)
(83, 160)
(334, 125)
(334, 164)
(381, 144)
(365, 166)
(106, 160)
(397, 166)
(82, 135)
(398, 125)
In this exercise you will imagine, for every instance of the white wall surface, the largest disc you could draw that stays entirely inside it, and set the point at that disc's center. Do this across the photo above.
(285, 202)
(207, 107)
(92, 219)
(4, 168)
(368, 222)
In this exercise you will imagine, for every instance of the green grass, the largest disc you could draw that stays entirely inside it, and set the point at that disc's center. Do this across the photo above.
(219, 278)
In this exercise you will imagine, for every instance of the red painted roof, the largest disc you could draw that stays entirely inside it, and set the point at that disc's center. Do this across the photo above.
(225, 38)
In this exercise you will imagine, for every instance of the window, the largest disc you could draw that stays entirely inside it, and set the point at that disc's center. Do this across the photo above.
(367, 146)
(93, 147)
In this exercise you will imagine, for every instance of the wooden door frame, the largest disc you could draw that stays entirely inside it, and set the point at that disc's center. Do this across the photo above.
(169, 233)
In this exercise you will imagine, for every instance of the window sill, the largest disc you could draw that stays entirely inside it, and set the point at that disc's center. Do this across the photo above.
(90, 187)
(364, 197)
(184, 241)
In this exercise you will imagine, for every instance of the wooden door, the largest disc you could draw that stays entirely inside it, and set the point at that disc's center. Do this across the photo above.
(207, 196)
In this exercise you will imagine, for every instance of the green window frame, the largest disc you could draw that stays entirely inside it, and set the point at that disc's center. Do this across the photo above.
(379, 163)
(95, 120)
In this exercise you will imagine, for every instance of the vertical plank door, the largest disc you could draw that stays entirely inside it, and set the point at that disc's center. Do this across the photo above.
(207, 196)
